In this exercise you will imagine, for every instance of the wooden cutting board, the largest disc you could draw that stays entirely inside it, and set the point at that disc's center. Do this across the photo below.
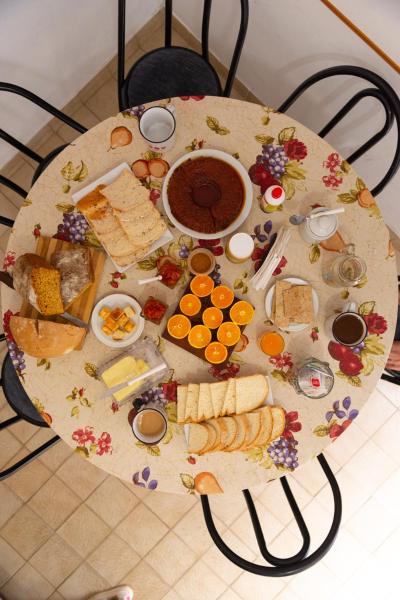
(82, 307)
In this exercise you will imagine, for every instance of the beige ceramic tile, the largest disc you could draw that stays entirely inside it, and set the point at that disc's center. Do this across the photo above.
(346, 554)
(82, 583)
(7, 208)
(48, 145)
(42, 435)
(243, 528)
(257, 588)
(27, 583)
(171, 558)
(10, 561)
(80, 475)
(200, 583)
(318, 519)
(56, 596)
(113, 559)
(112, 501)
(388, 437)
(172, 595)
(22, 176)
(375, 413)
(9, 446)
(312, 477)
(141, 529)
(9, 503)
(23, 431)
(229, 594)
(390, 391)
(26, 532)
(56, 455)
(223, 567)
(228, 507)
(146, 581)
(388, 494)
(286, 594)
(84, 117)
(192, 530)
(371, 580)
(345, 446)
(55, 560)
(104, 103)
(353, 494)
(83, 530)
(274, 500)
(169, 507)
(94, 85)
(25, 482)
(373, 523)
(320, 578)
(54, 502)
(373, 461)
(287, 543)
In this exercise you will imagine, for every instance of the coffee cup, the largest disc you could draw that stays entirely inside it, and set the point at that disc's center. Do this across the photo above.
(158, 127)
(348, 327)
(149, 425)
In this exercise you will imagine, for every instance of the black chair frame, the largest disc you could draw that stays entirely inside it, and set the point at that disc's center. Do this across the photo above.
(207, 4)
(282, 567)
(382, 91)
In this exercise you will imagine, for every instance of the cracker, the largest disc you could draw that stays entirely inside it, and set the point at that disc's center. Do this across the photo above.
(281, 320)
(298, 306)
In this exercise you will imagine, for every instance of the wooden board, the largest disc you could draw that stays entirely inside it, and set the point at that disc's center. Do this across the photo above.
(197, 320)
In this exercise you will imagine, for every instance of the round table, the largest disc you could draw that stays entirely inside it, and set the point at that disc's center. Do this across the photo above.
(67, 391)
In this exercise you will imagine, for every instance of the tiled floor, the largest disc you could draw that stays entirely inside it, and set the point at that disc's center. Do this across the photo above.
(68, 530)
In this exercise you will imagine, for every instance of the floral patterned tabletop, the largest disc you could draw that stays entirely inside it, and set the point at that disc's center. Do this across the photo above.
(67, 391)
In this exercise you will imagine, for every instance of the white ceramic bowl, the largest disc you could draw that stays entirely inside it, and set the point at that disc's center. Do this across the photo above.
(270, 295)
(248, 193)
(112, 301)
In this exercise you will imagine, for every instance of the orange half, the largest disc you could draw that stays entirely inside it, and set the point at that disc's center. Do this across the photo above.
(190, 305)
(178, 326)
(222, 296)
(212, 317)
(228, 333)
(242, 312)
(216, 353)
(199, 336)
(202, 285)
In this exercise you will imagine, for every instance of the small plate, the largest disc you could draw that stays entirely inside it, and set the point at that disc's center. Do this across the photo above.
(112, 301)
(296, 281)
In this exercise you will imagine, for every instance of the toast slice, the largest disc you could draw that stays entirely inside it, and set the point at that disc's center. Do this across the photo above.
(242, 427)
(206, 410)
(223, 432)
(278, 422)
(253, 431)
(217, 396)
(251, 392)
(198, 438)
(229, 405)
(181, 402)
(192, 403)
(213, 423)
(212, 437)
(266, 426)
(230, 432)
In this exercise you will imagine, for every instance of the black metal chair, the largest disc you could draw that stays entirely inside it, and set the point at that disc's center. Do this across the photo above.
(281, 567)
(43, 161)
(21, 404)
(382, 91)
(173, 70)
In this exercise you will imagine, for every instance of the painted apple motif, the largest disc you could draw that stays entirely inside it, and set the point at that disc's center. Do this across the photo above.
(339, 352)
(351, 365)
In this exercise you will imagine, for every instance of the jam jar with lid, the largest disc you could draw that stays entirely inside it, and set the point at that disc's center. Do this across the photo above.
(313, 378)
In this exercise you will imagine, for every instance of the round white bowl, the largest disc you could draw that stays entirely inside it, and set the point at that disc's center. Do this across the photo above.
(112, 301)
(248, 194)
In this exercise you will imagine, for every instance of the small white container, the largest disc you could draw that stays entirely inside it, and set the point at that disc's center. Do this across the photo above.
(318, 230)
(239, 248)
(274, 195)
(157, 125)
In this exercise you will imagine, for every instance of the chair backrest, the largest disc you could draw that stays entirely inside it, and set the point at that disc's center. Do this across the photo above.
(244, 20)
(382, 91)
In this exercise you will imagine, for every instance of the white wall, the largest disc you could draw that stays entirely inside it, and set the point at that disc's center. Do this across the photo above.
(53, 48)
(287, 41)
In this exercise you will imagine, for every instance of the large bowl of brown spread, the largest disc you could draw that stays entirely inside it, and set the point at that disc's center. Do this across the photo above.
(207, 194)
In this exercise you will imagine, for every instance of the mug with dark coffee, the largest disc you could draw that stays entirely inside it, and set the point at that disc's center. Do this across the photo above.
(348, 327)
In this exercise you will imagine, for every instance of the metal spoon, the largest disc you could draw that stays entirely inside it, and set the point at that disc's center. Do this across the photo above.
(297, 219)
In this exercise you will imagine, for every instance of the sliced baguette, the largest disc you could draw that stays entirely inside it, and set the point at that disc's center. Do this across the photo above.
(278, 422)
(229, 405)
(266, 426)
(242, 428)
(198, 438)
(212, 437)
(217, 396)
(192, 403)
(182, 391)
(251, 392)
(206, 410)
(213, 423)
(253, 431)
(223, 432)
(230, 432)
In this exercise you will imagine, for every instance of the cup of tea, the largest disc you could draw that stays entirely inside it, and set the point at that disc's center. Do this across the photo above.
(150, 424)
(158, 126)
(348, 327)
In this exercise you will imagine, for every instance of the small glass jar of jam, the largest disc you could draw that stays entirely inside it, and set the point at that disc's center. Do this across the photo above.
(170, 273)
(154, 310)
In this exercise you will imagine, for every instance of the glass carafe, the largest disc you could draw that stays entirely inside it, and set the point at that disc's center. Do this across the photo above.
(347, 270)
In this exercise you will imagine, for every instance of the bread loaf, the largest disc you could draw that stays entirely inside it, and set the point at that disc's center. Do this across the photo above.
(76, 272)
(45, 339)
(39, 283)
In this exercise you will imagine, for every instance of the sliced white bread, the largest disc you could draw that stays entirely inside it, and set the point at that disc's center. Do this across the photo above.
(206, 410)
(212, 438)
(223, 432)
(230, 432)
(251, 392)
(198, 438)
(117, 242)
(229, 405)
(253, 431)
(104, 221)
(181, 402)
(242, 428)
(278, 422)
(266, 426)
(213, 423)
(125, 191)
(217, 396)
(146, 232)
(192, 403)
(132, 214)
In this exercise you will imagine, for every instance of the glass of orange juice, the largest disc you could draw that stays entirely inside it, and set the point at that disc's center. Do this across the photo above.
(271, 343)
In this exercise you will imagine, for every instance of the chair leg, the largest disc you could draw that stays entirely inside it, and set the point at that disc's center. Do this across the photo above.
(27, 459)
(9, 422)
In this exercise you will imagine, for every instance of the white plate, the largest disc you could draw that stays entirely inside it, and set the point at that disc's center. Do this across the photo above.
(296, 281)
(248, 194)
(106, 179)
(112, 301)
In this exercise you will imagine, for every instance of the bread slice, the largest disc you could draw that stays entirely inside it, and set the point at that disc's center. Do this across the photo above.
(251, 392)
(223, 432)
(242, 428)
(93, 204)
(229, 405)
(104, 220)
(278, 422)
(229, 433)
(212, 437)
(121, 191)
(144, 231)
(205, 405)
(198, 438)
(266, 426)
(218, 391)
(255, 421)
(182, 391)
(192, 403)
(213, 423)
(128, 259)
